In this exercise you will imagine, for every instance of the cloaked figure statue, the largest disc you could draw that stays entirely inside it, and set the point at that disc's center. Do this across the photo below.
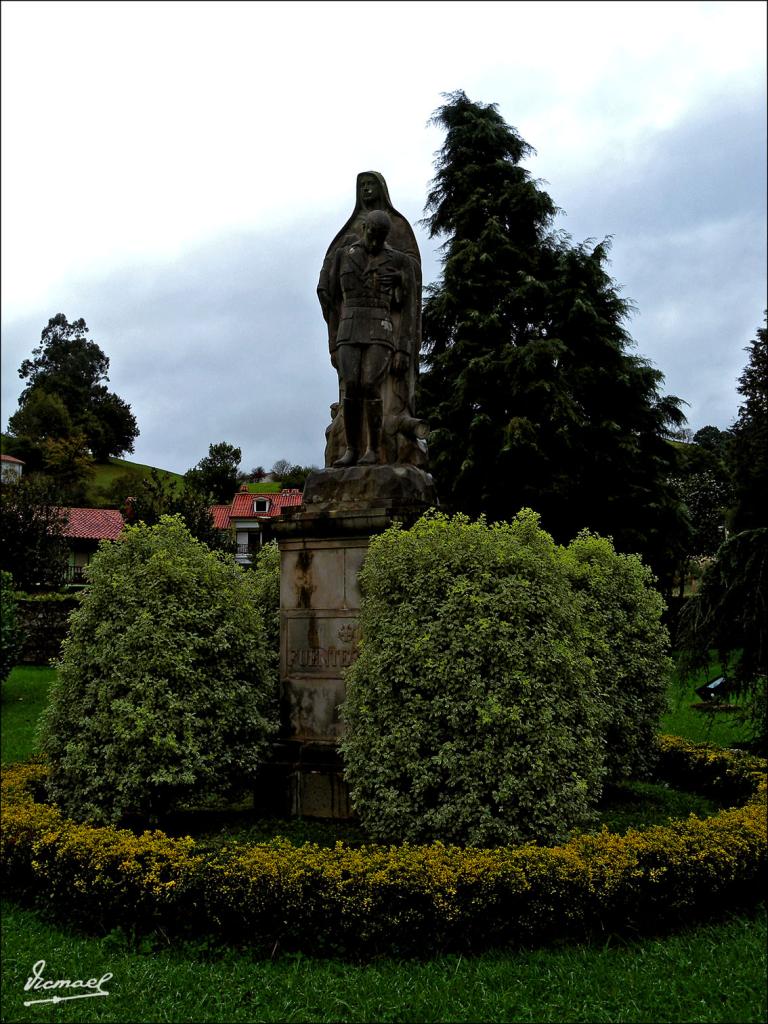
(370, 294)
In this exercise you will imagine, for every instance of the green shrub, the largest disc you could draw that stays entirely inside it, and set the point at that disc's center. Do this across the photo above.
(628, 645)
(42, 598)
(10, 636)
(266, 578)
(164, 692)
(471, 713)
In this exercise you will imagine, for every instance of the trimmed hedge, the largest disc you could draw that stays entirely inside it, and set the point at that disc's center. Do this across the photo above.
(44, 623)
(10, 634)
(406, 900)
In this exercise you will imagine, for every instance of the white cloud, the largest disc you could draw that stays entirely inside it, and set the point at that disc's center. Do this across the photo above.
(135, 132)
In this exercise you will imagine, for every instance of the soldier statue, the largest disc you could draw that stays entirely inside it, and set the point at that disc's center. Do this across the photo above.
(370, 294)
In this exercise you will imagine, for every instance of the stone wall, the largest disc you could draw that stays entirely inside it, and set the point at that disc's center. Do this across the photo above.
(44, 622)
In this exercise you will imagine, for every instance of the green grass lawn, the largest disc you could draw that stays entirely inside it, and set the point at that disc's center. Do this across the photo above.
(724, 728)
(24, 695)
(711, 973)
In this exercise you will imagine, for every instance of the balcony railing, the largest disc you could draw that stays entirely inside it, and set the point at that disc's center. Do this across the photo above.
(247, 549)
(75, 574)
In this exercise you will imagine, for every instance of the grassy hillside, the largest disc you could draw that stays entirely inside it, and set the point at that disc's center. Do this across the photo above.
(114, 480)
(265, 487)
(106, 474)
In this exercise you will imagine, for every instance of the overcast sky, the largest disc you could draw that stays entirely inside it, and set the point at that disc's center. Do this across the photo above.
(174, 172)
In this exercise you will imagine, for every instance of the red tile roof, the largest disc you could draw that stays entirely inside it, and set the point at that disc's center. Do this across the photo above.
(93, 523)
(243, 502)
(11, 458)
(220, 515)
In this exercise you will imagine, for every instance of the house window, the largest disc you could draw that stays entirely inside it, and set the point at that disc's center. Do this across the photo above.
(261, 505)
(254, 540)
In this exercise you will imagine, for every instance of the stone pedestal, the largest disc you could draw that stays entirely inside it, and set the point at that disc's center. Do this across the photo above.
(322, 547)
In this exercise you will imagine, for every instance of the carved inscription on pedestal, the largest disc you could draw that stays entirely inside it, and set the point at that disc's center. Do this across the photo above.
(302, 659)
(319, 644)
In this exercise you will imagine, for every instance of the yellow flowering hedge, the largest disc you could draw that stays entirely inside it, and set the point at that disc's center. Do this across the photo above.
(397, 900)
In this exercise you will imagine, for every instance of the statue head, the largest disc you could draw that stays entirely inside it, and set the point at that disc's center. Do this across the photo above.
(371, 193)
(371, 190)
(376, 227)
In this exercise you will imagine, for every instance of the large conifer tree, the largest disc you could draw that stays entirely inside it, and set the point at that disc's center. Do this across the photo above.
(750, 439)
(528, 384)
(730, 613)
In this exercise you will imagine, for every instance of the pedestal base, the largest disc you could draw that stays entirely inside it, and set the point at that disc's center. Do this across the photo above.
(396, 488)
(304, 780)
(322, 547)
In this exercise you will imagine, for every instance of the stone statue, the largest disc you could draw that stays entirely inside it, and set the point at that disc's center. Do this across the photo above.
(370, 294)
(374, 476)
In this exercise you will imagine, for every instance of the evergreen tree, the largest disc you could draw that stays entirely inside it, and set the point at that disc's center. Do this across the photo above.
(528, 384)
(705, 488)
(154, 497)
(66, 391)
(32, 526)
(69, 466)
(217, 473)
(297, 476)
(750, 439)
(730, 614)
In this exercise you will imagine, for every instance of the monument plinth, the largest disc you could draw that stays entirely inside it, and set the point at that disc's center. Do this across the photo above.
(375, 475)
(358, 488)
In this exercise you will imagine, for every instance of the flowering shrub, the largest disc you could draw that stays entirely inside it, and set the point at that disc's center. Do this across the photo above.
(730, 776)
(405, 900)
